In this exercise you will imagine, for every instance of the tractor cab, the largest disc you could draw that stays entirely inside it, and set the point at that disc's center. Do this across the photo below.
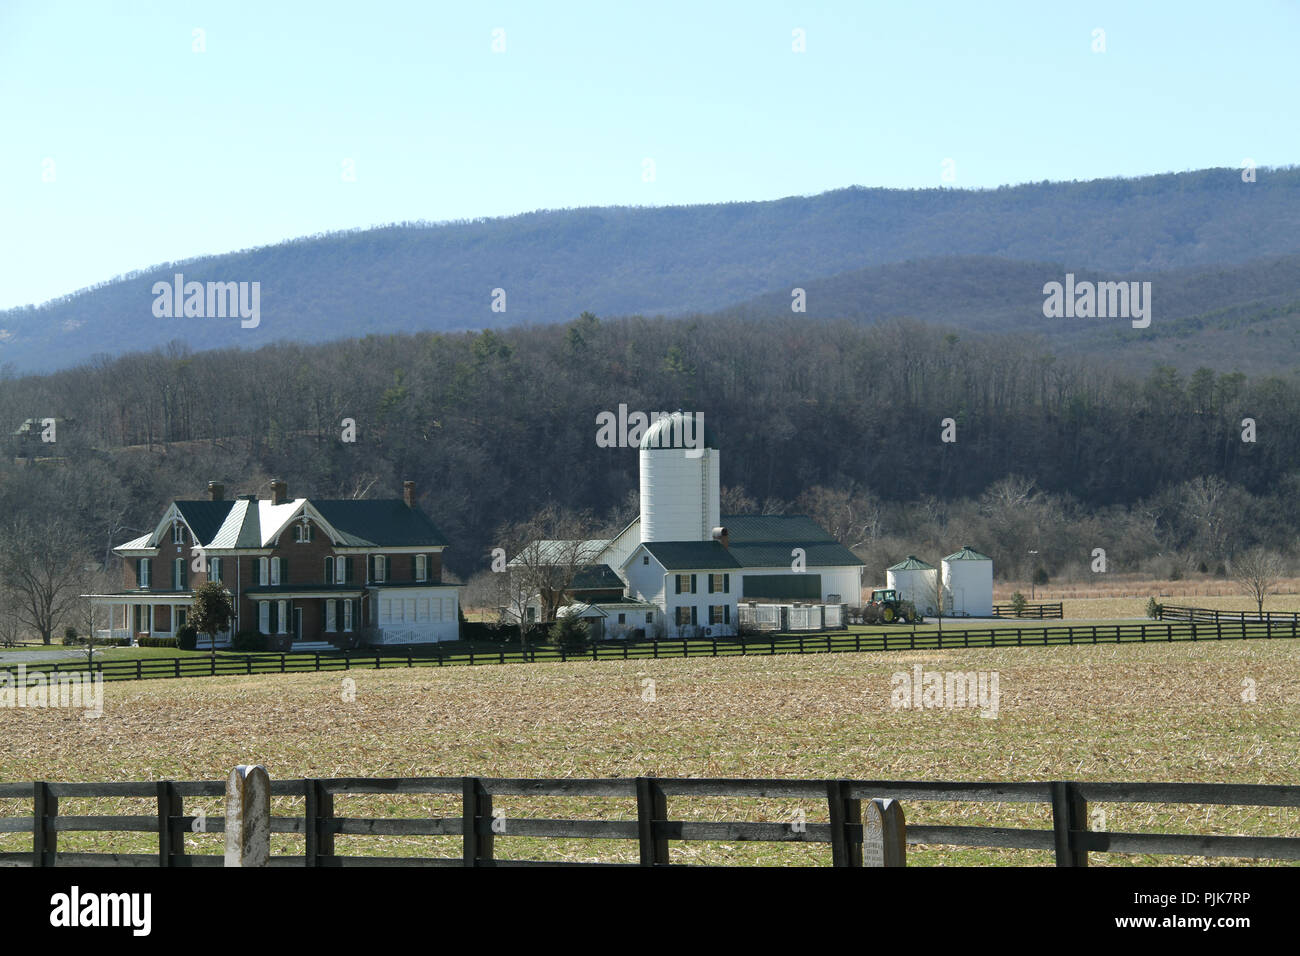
(886, 607)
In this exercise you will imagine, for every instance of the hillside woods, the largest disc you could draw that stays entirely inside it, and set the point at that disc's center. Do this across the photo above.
(832, 419)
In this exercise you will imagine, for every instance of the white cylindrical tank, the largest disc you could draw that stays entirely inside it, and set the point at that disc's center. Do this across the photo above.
(680, 488)
(915, 581)
(968, 581)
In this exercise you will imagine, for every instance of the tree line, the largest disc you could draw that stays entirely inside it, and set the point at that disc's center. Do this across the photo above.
(843, 422)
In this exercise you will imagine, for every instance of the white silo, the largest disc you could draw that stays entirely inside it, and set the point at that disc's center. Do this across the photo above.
(915, 581)
(968, 581)
(679, 480)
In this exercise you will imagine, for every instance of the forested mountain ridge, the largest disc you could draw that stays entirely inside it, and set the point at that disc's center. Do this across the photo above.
(669, 260)
(1233, 317)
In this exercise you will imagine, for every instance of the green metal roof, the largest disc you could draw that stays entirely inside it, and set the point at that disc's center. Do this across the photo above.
(692, 555)
(967, 553)
(913, 563)
(596, 577)
(204, 517)
(766, 541)
(380, 522)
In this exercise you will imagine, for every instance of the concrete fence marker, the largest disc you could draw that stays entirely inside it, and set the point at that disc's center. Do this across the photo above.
(884, 833)
(248, 816)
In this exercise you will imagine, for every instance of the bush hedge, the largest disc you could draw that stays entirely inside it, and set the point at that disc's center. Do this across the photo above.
(159, 642)
(249, 640)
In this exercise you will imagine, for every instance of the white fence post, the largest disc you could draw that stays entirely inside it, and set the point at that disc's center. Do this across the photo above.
(248, 816)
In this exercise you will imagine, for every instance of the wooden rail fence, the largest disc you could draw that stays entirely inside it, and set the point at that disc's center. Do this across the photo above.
(1202, 615)
(1039, 611)
(899, 639)
(653, 829)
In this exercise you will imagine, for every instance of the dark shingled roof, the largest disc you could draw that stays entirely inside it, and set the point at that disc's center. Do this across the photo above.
(204, 517)
(596, 577)
(765, 541)
(692, 555)
(380, 522)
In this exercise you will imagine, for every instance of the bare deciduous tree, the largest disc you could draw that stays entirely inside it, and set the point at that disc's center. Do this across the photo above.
(41, 563)
(546, 553)
(1257, 572)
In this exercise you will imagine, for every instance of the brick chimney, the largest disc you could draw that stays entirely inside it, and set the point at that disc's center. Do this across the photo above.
(721, 535)
(279, 492)
(408, 493)
(216, 491)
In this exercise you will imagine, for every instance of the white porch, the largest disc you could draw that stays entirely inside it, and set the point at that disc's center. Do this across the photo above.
(133, 616)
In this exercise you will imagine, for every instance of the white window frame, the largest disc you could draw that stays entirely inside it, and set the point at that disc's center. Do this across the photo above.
(264, 617)
(263, 572)
(282, 612)
(178, 574)
(340, 569)
(214, 570)
(331, 617)
(347, 616)
(276, 576)
(178, 533)
(378, 566)
(421, 567)
(146, 572)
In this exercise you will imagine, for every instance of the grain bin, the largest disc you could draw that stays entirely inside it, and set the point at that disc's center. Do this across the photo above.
(915, 581)
(968, 582)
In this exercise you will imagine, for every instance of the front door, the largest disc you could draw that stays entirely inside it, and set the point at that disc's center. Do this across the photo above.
(297, 624)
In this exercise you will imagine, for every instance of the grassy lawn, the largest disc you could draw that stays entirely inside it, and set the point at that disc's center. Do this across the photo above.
(154, 662)
(1125, 712)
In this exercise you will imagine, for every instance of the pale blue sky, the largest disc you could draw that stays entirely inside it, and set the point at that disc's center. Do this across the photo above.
(160, 153)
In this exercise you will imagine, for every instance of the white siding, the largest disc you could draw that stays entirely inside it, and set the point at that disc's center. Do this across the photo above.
(915, 585)
(970, 587)
(679, 494)
(417, 615)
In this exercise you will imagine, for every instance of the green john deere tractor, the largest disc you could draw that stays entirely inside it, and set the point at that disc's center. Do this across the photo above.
(887, 607)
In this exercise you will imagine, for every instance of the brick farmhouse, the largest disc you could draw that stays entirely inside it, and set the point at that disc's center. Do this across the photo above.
(306, 572)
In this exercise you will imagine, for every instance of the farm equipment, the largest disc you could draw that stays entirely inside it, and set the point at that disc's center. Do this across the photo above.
(887, 607)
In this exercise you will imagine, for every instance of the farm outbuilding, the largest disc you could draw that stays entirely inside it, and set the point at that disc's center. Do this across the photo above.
(915, 580)
(968, 582)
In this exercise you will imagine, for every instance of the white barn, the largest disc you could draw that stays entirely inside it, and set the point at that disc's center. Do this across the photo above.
(695, 564)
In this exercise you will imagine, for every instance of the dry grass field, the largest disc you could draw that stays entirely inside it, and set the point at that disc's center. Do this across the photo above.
(1127, 712)
(1096, 608)
(1191, 590)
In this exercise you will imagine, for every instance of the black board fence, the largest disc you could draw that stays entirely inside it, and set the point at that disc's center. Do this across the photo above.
(898, 639)
(1037, 611)
(653, 829)
(1204, 615)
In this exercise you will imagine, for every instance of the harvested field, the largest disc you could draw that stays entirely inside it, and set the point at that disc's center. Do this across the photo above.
(1109, 712)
